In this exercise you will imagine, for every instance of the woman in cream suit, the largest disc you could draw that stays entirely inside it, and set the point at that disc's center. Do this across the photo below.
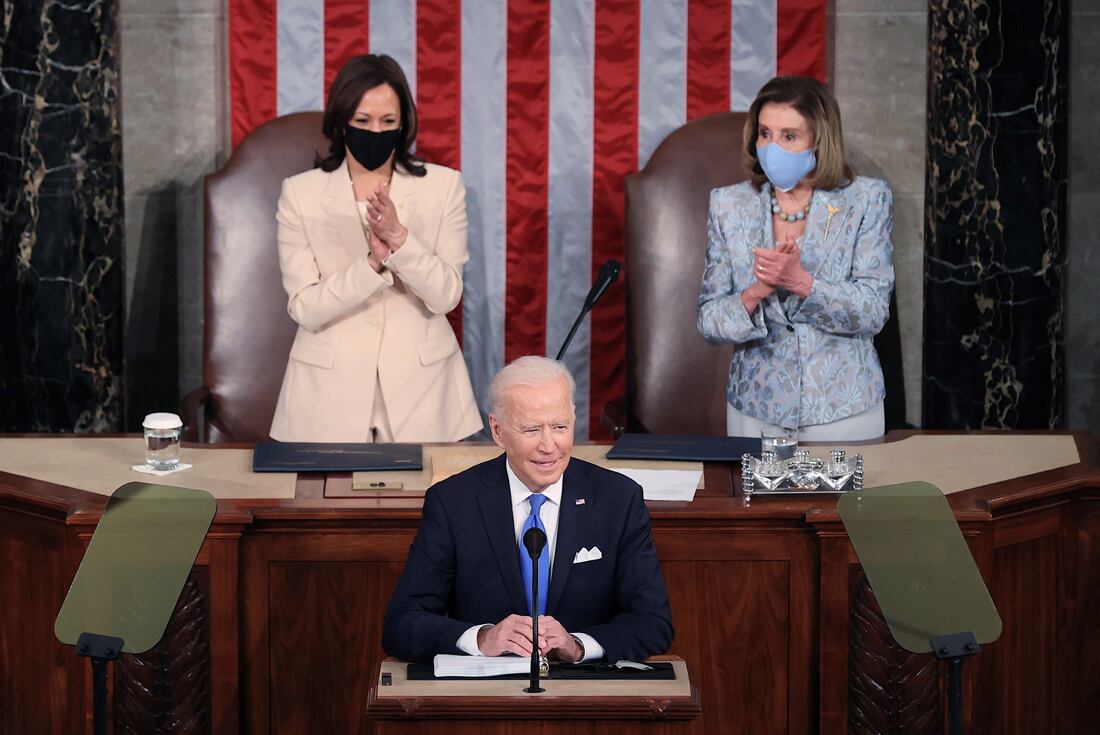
(371, 245)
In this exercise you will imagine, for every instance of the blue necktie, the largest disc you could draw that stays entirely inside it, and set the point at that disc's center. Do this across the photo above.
(533, 521)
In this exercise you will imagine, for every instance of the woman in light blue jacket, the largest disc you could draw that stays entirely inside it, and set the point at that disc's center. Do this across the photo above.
(799, 273)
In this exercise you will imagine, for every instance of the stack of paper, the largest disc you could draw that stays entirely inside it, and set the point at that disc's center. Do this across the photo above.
(480, 665)
(665, 484)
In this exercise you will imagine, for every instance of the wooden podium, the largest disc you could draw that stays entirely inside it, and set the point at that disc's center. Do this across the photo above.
(280, 623)
(397, 705)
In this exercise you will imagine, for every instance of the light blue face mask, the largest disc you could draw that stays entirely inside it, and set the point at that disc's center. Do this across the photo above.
(783, 168)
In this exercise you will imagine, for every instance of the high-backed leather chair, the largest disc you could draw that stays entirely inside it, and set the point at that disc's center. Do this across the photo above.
(675, 380)
(247, 332)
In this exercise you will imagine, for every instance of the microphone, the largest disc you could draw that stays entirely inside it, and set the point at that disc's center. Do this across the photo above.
(534, 541)
(609, 273)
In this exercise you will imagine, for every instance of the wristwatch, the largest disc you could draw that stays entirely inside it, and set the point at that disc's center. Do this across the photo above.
(580, 645)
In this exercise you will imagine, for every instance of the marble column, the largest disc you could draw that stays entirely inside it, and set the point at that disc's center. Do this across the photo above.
(995, 205)
(61, 279)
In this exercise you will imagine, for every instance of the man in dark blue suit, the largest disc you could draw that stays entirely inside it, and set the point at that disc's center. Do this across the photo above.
(464, 588)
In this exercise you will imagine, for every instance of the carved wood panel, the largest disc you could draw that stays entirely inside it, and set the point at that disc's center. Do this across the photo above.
(1083, 663)
(167, 689)
(41, 680)
(325, 639)
(732, 621)
(1024, 659)
(890, 690)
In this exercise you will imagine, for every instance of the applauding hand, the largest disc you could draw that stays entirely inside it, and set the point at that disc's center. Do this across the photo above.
(782, 268)
(382, 217)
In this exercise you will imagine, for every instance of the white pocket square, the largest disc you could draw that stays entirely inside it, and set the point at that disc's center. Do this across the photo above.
(587, 555)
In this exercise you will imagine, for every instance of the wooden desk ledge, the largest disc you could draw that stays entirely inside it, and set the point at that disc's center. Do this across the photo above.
(495, 699)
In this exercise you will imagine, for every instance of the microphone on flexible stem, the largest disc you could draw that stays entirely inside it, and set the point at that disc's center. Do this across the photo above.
(609, 272)
(534, 541)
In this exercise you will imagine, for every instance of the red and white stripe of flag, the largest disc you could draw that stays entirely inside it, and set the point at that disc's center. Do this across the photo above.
(545, 106)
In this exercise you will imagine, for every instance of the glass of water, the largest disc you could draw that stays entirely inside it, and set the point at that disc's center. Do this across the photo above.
(780, 440)
(162, 441)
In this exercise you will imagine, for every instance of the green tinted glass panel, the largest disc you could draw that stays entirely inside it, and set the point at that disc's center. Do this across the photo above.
(136, 565)
(920, 568)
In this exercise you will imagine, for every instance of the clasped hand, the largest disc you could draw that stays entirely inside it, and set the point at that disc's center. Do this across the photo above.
(782, 268)
(387, 234)
(513, 635)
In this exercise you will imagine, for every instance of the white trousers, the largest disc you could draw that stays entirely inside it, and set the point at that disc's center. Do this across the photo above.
(380, 432)
(866, 425)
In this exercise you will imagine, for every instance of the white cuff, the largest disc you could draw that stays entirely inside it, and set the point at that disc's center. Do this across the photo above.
(467, 642)
(592, 649)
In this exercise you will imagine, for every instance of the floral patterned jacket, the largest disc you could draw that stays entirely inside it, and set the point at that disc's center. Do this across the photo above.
(800, 362)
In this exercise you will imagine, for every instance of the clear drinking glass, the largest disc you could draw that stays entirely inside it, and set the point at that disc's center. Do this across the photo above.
(162, 441)
(780, 440)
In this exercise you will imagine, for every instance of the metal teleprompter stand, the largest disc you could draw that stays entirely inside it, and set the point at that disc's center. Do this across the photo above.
(923, 575)
(131, 576)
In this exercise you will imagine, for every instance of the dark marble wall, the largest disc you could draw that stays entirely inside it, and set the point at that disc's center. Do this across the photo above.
(995, 205)
(61, 275)
(1083, 244)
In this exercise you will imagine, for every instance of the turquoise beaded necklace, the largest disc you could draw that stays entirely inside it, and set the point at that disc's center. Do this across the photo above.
(797, 216)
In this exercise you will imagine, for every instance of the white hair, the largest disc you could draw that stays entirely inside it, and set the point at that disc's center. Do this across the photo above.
(528, 370)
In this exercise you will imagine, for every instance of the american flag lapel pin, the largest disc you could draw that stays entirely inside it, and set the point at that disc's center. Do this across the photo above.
(579, 501)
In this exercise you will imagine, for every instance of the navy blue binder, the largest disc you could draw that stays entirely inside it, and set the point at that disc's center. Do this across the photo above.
(320, 457)
(684, 448)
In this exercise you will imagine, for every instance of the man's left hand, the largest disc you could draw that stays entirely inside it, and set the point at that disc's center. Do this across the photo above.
(556, 642)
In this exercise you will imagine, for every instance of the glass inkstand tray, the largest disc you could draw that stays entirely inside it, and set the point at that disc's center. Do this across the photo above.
(801, 474)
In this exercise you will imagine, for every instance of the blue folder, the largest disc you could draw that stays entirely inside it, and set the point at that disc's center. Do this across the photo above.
(319, 457)
(684, 447)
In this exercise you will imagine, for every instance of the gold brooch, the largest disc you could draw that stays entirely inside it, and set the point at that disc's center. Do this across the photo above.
(829, 220)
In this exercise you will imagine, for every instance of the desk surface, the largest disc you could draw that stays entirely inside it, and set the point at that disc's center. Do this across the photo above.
(771, 608)
(563, 702)
(99, 465)
(513, 688)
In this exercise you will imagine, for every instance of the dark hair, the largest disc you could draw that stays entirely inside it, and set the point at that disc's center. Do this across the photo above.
(813, 100)
(359, 75)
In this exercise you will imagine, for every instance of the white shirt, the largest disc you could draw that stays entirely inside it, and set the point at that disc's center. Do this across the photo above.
(521, 510)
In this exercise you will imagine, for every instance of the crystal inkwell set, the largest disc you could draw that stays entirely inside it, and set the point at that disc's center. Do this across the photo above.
(802, 473)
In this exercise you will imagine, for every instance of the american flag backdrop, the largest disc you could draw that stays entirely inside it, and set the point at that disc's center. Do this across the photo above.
(544, 106)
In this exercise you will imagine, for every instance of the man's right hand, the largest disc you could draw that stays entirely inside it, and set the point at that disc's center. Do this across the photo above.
(511, 635)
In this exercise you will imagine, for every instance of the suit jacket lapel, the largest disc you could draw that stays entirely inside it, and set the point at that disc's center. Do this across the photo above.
(403, 195)
(572, 527)
(343, 213)
(495, 502)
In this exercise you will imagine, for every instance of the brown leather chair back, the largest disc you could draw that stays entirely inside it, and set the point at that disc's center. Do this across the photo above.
(247, 332)
(676, 382)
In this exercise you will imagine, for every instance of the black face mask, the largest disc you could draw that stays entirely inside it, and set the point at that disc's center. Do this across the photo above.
(370, 149)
